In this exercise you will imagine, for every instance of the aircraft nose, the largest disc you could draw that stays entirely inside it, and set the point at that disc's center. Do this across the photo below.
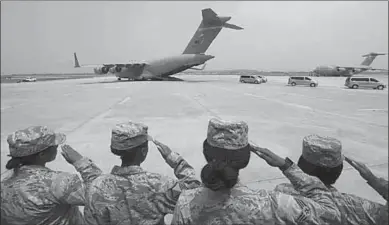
(209, 57)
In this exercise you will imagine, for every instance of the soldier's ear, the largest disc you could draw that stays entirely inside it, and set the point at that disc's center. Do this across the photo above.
(144, 151)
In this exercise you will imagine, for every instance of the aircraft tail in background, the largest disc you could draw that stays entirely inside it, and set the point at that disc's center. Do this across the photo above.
(76, 63)
(370, 58)
(207, 31)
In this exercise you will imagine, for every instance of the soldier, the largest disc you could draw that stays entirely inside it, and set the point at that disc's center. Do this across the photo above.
(322, 157)
(377, 183)
(35, 194)
(223, 200)
(131, 195)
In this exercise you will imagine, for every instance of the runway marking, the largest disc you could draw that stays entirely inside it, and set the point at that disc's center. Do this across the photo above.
(324, 99)
(304, 107)
(196, 100)
(281, 102)
(97, 116)
(124, 100)
(383, 110)
(6, 107)
(12, 106)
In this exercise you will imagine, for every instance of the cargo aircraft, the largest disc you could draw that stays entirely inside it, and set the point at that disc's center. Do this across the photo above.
(348, 70)
(193, 55)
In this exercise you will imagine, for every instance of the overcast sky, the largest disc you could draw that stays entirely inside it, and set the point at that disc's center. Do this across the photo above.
(42, 36)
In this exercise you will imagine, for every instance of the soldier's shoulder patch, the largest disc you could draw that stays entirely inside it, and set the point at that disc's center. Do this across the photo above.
(305, 211)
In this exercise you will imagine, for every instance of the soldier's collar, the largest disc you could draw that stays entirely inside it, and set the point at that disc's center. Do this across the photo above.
(128, 170)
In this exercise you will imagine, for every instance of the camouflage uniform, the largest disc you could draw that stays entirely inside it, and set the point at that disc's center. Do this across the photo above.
(130, 195)
(241, 205)
(38, 195)
(381, 186)
(326, 152)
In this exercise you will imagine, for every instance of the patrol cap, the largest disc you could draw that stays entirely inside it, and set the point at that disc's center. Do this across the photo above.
(227, 135)
(33, 140)
(126, 136)
(322, 151)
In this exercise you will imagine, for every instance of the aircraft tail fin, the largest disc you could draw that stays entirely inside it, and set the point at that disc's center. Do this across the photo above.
(369, 58)
(209, 28)
(76, 63)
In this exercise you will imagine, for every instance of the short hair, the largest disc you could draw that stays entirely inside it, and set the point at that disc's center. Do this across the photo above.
(326, 174)
(129, 154)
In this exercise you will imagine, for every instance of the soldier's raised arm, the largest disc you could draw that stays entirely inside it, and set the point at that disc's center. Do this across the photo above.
(315, 206)
(377, 183)
(185, 174)
(69, 188)
(88, 170)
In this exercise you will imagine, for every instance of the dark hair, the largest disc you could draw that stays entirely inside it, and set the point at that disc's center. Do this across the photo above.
(16, 162)
(327, 175)
(129, 155)
(222, 169)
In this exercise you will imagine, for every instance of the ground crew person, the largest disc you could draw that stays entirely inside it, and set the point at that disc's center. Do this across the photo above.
(322, 157)
(223, 200)
(35, 194)
(377, 183)
(131, 195)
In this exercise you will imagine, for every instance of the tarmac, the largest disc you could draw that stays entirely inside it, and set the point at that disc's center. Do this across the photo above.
(177, 113)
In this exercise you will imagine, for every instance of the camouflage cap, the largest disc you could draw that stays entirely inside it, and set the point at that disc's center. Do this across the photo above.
(33, 140)
(322, 151)
(227, 134)
(126, 136)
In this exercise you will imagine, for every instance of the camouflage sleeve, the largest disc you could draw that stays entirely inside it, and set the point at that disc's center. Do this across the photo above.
(88, 170)
(306, 185)
(315, 206)
(286, 189)
(178, 218)
(382, 217)
(68, 188)
(380, 185)
(172, 188)
(184, 172)
(94, 219)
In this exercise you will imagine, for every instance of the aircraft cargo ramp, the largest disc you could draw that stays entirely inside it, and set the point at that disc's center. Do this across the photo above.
(177, 114)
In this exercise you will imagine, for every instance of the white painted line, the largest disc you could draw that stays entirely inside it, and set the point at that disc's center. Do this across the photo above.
(5, 107)
(303, 107)
(281, 102)
(125, 100)
(384, 110)
(324, 99)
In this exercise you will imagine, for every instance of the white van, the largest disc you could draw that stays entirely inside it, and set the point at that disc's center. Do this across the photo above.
(250, 79)
(302, 80)
(364, 82)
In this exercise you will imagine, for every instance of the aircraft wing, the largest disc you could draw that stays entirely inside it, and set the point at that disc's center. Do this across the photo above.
(128, 64)
(385, 70)
(353, 67)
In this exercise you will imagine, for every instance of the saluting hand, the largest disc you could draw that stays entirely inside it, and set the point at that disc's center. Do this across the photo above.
(163, 149)
(70, 155)
(270, 157)
(363, 170)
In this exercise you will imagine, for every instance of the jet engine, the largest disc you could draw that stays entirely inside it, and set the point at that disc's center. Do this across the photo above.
(116, 69)
(101, 70)
(356, 70)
